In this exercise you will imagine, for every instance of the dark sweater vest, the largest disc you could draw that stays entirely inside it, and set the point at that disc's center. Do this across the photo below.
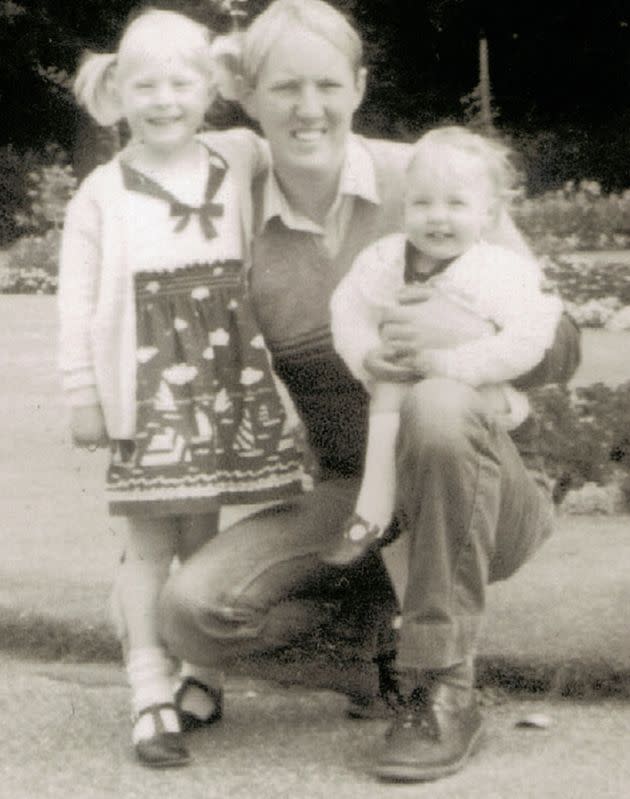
(292, 280)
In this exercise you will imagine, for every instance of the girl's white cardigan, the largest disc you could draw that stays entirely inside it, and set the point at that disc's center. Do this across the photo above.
(97, 340)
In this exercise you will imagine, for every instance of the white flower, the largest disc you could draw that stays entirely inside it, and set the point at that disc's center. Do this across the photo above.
(208, 354)
(153, 287)
(219, 337)
(200, 293)
(232, 305)
(144, 354)
(180, 324)
(218, 270)
(250, 376)
(180, 374)
(258, 342)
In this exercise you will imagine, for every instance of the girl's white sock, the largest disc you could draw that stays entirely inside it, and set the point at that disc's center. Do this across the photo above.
(149, 671)
(378, 489)
(194, 700)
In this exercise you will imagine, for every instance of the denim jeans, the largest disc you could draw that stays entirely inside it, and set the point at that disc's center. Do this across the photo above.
(473, 512)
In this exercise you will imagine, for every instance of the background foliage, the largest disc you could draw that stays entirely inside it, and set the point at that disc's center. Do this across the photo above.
(560, 76)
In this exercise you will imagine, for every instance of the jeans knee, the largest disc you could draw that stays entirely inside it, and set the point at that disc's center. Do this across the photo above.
(206, 628)
(438, 414)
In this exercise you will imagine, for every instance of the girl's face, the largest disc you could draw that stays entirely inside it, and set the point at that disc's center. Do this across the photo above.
(164, 99)
(449, 203)
(304, 99)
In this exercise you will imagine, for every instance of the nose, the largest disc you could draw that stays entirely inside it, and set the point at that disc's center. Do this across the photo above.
(309, 102)
(163, 94)
(436, 212)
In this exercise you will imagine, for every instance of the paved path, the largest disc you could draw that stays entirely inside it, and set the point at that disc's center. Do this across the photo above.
(64, 734)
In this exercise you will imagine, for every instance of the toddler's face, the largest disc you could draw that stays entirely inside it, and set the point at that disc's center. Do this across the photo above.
(448, 203)
(164, 98)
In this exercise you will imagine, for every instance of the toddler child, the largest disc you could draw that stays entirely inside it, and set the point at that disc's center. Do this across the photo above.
(458, 183)
(160, 353)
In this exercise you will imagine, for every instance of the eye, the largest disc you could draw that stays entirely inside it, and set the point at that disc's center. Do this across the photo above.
(457, 202)
(328, 85)
(285, 87)
(142, 85)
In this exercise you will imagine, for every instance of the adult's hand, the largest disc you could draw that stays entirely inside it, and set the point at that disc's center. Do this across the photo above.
(419, 322)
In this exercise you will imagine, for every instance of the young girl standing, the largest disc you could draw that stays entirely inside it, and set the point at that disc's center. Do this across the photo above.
(457, 186)
(160, 353)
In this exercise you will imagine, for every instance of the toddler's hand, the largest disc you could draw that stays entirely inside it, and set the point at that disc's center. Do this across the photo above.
(87, 425)
(429, 363)
(382, 364)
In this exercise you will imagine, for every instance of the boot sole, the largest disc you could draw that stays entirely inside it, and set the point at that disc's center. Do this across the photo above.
(409, 772)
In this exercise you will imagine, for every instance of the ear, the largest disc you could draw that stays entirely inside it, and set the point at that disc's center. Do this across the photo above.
(360, 86)
(493, 215)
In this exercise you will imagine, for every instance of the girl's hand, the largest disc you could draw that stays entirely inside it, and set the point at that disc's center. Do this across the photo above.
(383, 365)
(87, 425)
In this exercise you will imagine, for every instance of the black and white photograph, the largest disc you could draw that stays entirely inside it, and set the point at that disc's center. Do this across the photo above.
(316, 399)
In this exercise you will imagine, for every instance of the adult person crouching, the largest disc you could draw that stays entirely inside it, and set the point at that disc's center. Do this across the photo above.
(329, 195)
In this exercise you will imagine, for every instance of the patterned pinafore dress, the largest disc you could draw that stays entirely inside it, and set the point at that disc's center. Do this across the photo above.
(211, 426)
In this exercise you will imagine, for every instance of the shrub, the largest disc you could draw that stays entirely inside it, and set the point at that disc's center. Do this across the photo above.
(593, 293)
(50, 188)
(32, 265)
(33, 259)
(585, 434)
(575, 217)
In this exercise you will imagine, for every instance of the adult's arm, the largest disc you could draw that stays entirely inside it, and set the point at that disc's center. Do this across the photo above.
(560, 361)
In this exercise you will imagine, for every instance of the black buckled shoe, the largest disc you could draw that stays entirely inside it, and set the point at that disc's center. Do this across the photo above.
(357, 539)
(436, 730)
(189, 721)
(158, 740)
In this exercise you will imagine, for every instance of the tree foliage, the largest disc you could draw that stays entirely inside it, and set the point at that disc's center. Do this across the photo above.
(560, 72)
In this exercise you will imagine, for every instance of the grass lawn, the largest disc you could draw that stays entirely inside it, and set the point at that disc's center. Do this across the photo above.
(60, 545)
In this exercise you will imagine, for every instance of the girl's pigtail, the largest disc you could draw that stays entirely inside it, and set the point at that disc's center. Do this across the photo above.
(225, 52)
(94, 88)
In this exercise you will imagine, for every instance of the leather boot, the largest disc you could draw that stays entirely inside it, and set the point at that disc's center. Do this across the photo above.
(437, 727)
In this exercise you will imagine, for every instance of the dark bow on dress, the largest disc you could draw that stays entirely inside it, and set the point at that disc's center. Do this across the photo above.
(206, 213)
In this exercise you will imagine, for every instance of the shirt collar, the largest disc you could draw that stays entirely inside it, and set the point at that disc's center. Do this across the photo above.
(358, 179)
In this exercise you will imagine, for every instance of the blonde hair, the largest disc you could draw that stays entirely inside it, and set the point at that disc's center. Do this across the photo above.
(151, 31)
(314, 16)
(493, 155)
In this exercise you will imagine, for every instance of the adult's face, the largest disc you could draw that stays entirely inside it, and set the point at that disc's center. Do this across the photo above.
(305, 96)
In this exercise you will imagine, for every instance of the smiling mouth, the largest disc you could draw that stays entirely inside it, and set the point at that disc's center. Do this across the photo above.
(163, 121)
(439, 236)
(308, 136)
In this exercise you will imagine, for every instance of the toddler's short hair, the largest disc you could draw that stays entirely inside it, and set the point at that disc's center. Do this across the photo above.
(494, 156)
